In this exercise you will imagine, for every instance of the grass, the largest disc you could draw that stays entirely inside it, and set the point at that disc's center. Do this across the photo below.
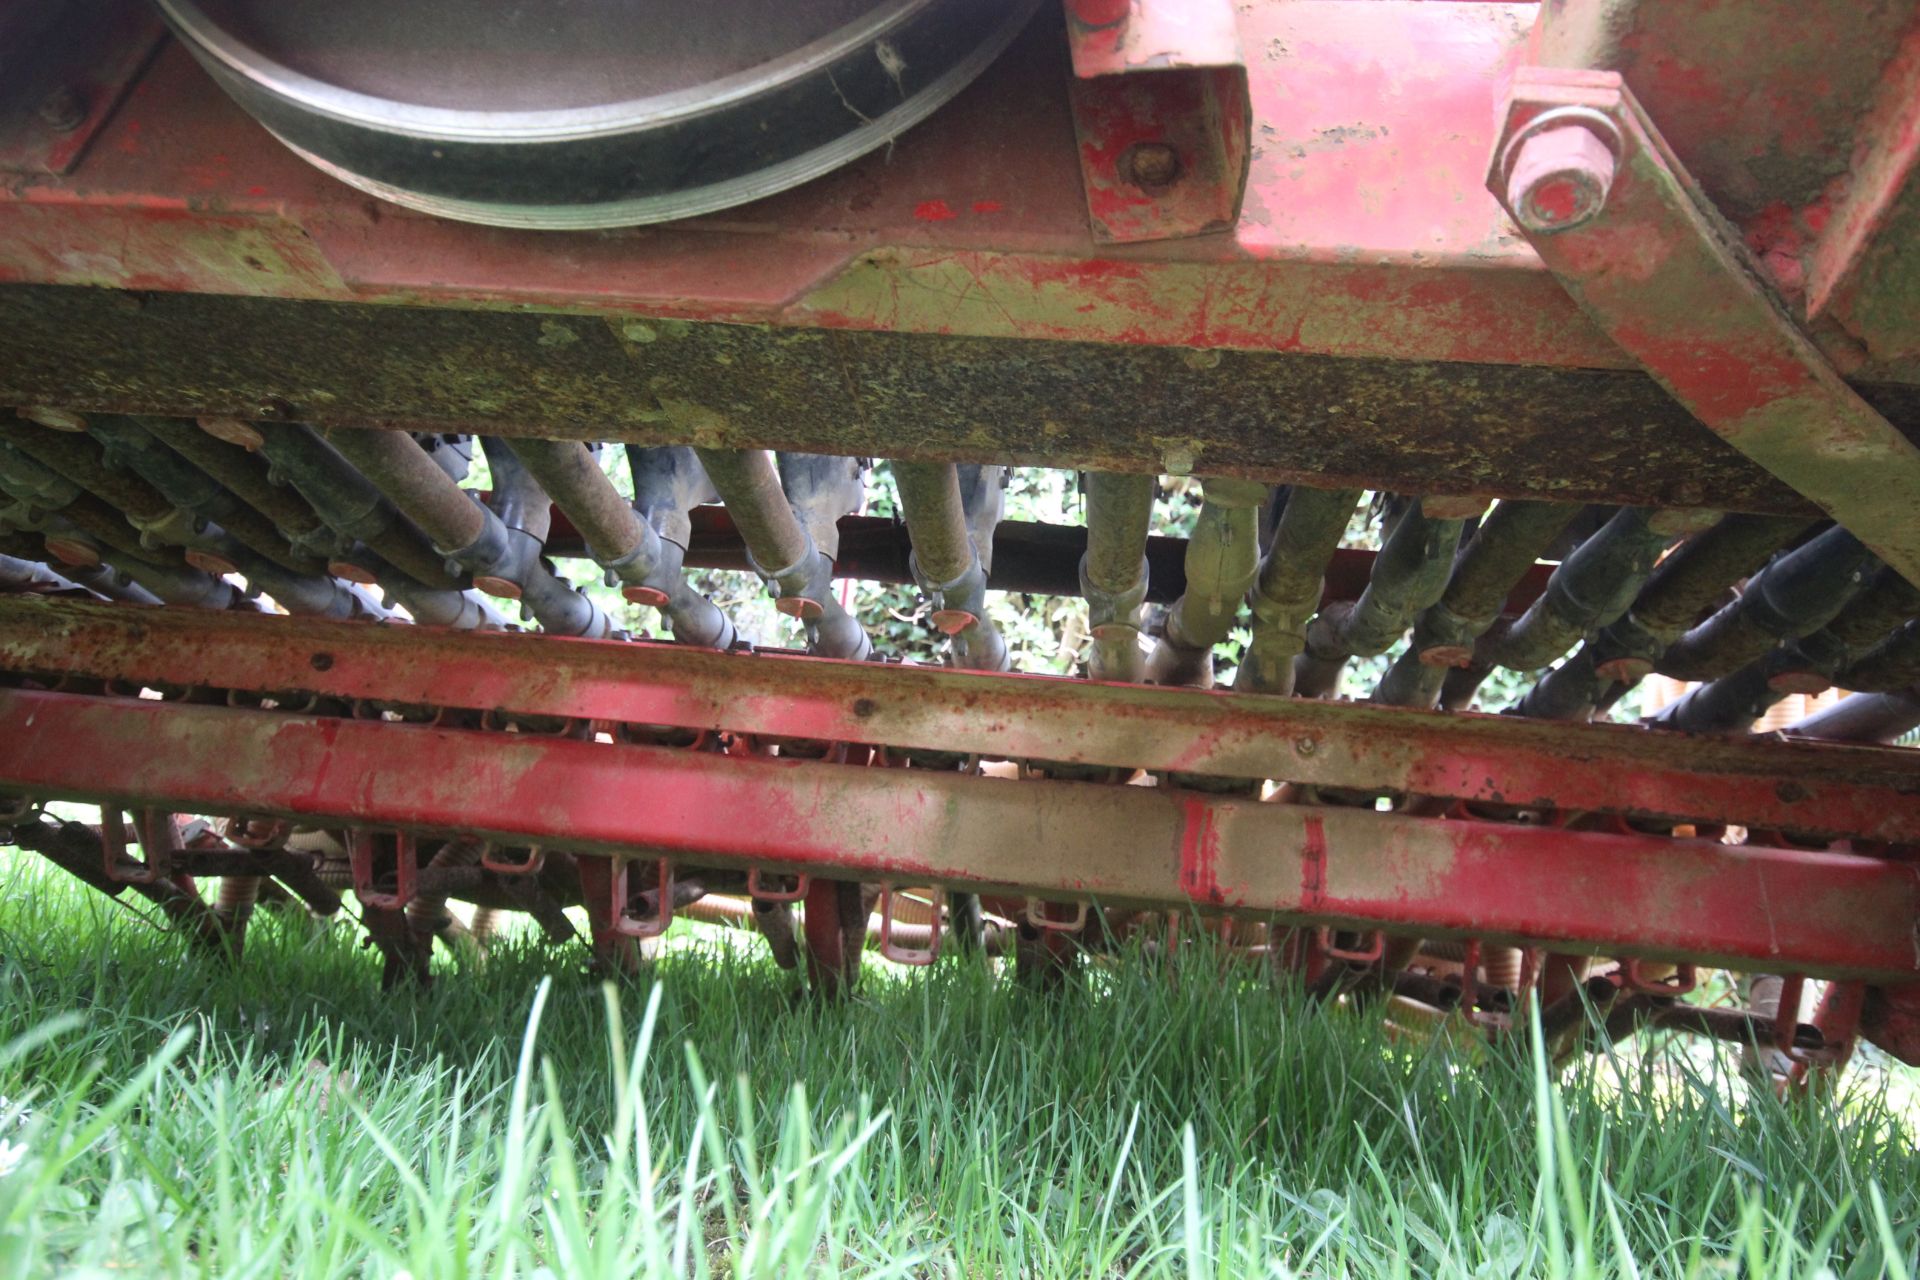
(166, 1116)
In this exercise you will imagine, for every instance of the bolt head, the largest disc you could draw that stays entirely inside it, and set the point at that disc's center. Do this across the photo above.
(63, 110)
(1559, 178)
(1150, 165)
(1447, 655)
(1306, 745)
(1790, 682)
(351, 572)
(211, 562)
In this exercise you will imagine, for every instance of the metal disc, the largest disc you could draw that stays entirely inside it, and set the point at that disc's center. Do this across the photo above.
(589, 113)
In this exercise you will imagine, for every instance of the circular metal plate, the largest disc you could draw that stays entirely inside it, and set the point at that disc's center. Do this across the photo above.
(589, 113)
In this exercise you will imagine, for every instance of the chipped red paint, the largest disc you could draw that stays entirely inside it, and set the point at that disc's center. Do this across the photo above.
(1347, 245)
(1200, 854)
(988, 206)
(1688, 304)
(1501, 760)
(934, 211)
(1821, 913)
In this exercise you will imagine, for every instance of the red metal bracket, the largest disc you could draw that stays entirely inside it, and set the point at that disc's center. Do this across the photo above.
(1588, 179)
(1685, 978)
(1820, 912)
(159, 839)
(1163, 116)
(1376, 948)
(1037, 917)
(641, 927)
(536, 859)
(1841, 790)
(68, 65)
(360, 851)
(757, 888)
(908, 955)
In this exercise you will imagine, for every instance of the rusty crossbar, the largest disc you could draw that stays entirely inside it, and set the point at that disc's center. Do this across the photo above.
(1819, 912)
(1826, 788)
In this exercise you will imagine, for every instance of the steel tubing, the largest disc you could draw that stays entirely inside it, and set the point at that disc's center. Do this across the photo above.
(46, 502)
(1892, 664)
(414, 482)
(1797, 593)
(1287, 590)
(750, 486)
(1886, 604)
(351, 503)
(1409, 575)
(188, 488)
(1694, 577)
(782, 546)
(947, 560)
(79, 459)
(508, 559)
(1223, 562)
(1503, 548)
(936, 519)
(630, 549)
(1863, 717)
(248, 478)
(1114, 573)
(1592, 587)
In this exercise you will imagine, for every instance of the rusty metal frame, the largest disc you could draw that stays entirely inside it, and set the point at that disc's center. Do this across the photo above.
(1822, 913)
(1655, 266)
(1840, 790)
(1162, 116)
(955, 277)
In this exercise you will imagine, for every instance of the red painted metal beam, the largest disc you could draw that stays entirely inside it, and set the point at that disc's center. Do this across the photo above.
(1844, 790)
(1623, 226)
(1782, 909)
(1364, 230)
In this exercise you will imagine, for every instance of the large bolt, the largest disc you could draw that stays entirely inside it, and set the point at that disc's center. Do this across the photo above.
(1150, 165)
(1559, 178)
(63, 110)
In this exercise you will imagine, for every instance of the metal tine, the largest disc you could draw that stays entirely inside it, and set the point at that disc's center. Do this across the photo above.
(1694, 577)
(1502, 549)
(1592, 587)
(1223, 562)
(1286, 593)
(1410, 574)
(1796, 594)
(952, 554)
(786, 551)
(1113, 572)
(1806, 664)
(352, 504)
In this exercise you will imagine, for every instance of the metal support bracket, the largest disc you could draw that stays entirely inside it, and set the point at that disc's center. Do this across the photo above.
(626, 925)
(1611, 212)
(360, 850)
(1162, 114)
(917, 956)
